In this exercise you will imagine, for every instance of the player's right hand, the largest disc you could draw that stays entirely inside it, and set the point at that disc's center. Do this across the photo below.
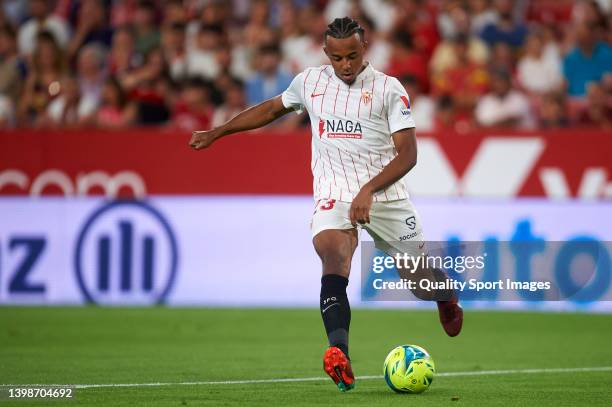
(202, 139)
(359, 212)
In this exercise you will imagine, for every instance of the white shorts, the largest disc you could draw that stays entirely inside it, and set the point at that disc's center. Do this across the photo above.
(394, 225)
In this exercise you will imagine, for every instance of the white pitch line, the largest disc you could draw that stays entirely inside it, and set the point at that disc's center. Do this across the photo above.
(317, 379)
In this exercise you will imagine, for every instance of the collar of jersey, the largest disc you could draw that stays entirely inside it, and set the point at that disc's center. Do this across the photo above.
(367, 71)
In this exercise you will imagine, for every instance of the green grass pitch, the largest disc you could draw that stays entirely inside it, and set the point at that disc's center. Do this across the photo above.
(94, 345)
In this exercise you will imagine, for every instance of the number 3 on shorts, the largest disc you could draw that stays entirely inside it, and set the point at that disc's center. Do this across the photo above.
(327, 204)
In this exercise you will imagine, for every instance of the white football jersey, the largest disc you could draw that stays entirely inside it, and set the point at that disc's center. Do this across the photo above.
(351, 129)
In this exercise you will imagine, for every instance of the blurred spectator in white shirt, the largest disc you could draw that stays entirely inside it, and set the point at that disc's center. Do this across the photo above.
(503, 106)
(201, 59)
(306, 50)
(539, 70)
(91, 72)
(41, 19)
(70, 108)
(447, 18)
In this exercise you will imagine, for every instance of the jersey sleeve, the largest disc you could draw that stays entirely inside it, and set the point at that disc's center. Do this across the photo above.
(292, 96)
(399, 113)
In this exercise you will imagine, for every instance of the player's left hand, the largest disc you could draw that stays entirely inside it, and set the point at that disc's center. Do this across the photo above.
(360, 207)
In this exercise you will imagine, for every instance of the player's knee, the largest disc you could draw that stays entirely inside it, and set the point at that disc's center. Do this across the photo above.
(335, 262)
(335, 248)
(335, 259)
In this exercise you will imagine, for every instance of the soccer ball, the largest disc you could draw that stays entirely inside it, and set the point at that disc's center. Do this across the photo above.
(409, 369)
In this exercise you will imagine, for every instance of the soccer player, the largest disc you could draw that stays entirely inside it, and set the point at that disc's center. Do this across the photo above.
(363, 143)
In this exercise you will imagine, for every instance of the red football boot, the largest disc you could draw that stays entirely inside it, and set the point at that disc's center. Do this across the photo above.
(451, 316)
(338, 367)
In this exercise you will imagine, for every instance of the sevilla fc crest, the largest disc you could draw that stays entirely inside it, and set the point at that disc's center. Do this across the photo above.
(366, 97)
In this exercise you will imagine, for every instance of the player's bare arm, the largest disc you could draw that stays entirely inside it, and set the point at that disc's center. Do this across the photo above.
(404, 161)
(249, 119)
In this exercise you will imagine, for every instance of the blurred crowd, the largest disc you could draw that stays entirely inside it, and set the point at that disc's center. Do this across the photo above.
(193, 64)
